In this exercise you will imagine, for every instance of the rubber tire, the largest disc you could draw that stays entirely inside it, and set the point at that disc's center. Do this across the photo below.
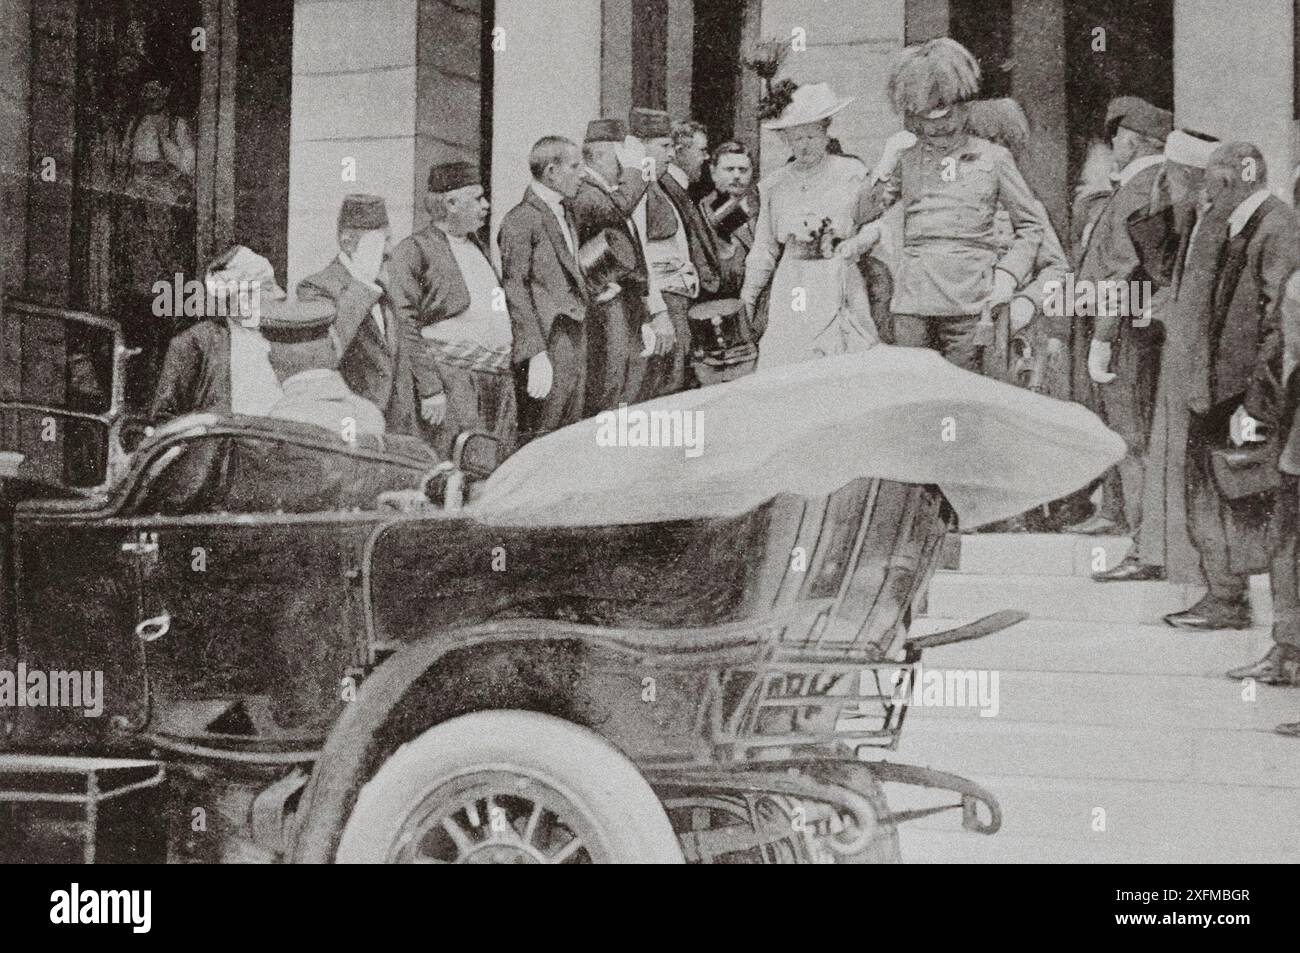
(574, 760)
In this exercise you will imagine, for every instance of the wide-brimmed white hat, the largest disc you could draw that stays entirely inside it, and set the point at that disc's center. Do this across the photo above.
(810, 103)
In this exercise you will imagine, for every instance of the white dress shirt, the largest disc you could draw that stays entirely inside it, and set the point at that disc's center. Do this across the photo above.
(480, 323)
(555, 202)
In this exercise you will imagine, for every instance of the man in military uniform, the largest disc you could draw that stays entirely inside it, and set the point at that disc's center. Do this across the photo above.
(950, 184)
(730, 211)
(305, 357)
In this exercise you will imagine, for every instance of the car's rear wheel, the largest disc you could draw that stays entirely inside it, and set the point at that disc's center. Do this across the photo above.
(508, 787)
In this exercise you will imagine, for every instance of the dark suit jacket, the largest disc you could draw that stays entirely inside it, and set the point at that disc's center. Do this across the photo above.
(1245, 337)
(732, 269)
(542, 281)
(595, 209)
(1110, 255)
(195, 374)
(704, 255)
(425, 286)
(376, 366)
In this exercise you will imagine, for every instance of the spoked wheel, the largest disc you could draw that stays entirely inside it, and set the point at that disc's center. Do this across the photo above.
(508, 787)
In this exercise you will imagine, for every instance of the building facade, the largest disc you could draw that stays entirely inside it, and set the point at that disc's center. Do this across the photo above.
(294, 103)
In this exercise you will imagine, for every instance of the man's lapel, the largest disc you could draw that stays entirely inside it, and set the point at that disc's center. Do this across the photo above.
(552, 226)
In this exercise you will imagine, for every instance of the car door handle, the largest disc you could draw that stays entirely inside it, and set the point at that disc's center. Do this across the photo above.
(146, 544)
(151, 630)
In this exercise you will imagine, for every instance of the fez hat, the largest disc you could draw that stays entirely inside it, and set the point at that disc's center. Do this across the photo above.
(1142, 117)
(365, 213)
(295, 322)
(809, 103)
(650, 123)
(605, 130)
(450, 176)
(607, 258)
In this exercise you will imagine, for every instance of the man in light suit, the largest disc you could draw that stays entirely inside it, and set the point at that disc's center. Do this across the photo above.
(546, 292)
(375, 363)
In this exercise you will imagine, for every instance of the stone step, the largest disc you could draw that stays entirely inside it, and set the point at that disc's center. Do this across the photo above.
(1033, 554)
(1208, 818)
(991, 747)
(962, 595)
(922, 846)
(1053, 645)
(1188, 703)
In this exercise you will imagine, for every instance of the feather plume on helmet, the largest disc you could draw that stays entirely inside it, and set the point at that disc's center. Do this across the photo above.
(1000, 121)
(933, 75)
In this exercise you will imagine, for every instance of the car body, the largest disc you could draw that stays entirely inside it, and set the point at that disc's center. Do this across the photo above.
(285, 649)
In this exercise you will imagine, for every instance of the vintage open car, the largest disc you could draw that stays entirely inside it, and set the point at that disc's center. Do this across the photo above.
(313, 651)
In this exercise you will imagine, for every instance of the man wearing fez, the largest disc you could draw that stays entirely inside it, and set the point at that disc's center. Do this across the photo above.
(1235, 372)
(729, 211)
(606, 198)
(950, 185)
(1181, 282)
(220, 364)
(452, 311)
(679, 250)
(305, 356)
(546, 291)
(374, 363)
(1125, 397)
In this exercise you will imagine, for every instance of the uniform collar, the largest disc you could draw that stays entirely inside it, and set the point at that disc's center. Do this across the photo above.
(679, 176)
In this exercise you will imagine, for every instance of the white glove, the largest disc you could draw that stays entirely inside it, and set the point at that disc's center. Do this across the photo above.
(1099, 362)
(663, 334)
(369, 257)
(1022, 312)
(895, 146)
(857, 246)
(434, 409)
(541, 375)
(630, 152)
(1243, 428)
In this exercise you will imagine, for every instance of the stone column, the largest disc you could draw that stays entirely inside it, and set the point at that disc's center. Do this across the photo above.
(548, 82)
(1233, 77)
(353, 127)
(850, 44)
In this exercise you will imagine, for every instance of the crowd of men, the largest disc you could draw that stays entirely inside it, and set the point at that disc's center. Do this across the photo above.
(608, 274)
(600, 265)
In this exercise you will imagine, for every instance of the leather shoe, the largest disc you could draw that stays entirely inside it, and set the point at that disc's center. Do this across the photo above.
(1281, 666)
(1211, 613)
(1130, 570)
(1290, 729)
(1094, 525)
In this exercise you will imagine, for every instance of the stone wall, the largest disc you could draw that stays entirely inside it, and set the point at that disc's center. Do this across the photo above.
(850, 45)
(353, 128)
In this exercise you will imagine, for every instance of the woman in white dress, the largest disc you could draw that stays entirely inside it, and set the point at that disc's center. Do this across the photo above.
(817, 306)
